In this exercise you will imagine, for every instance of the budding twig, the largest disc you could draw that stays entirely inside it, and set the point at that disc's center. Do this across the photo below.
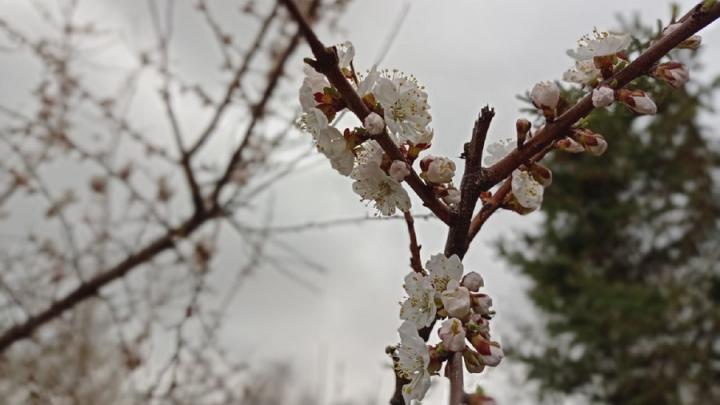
(415, 261)
(691, 23)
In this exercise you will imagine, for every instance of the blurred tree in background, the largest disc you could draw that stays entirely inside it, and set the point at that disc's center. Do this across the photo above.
(625, 260)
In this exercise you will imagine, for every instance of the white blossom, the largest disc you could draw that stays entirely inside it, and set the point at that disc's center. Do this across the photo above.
(496, 151)
(314, 82)
(438, 169)
(413, 360)
(314, 121)
(600, 44)
(367, 84)
(407, 112)
(585, 72)
(603, 96)
(527, 191)
(452, 334)
(443, 270)
(369, 152)
(398, 170)
(456, 300)
(371, 183)
(333, 145)
(545, 94)
(419, 307)
(346, 53)
(374, 124)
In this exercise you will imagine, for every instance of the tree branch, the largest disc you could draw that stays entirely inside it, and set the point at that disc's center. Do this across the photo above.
(326, 63)
(691, 23)
(457, 240)
(92, 286)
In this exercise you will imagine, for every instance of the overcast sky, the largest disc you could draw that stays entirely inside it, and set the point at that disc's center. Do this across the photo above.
(467, 53)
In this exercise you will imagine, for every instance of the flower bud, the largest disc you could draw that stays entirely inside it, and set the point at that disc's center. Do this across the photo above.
(473, 362)
(591, 141)
(452, 334)
(545, 94)
(481, 303)
(569, 145)
(674, 73)
(541, 174)
(399, 170)
(522, 127)
(496, 355)
(637, 101)
(456, 300)
(437, 169)
(374, 124)
(603, 96)
(472, 281)
(478, 324)
(438, 355)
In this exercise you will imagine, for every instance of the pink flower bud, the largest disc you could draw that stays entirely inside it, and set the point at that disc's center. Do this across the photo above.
(637, 101)
(674, 73)
(591, 141)
(569, 145)
(541, 174)
(496, 355)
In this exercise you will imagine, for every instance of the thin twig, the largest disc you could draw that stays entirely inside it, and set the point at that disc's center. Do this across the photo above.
(415, 261)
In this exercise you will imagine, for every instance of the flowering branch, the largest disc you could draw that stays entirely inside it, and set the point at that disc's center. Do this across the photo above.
(378, 156)
(692, 22)
(326, 62)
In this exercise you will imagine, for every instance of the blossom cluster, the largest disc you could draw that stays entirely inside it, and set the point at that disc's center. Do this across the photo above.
(398, 113)
(597, 58)
(399, 108)
(444, 293)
